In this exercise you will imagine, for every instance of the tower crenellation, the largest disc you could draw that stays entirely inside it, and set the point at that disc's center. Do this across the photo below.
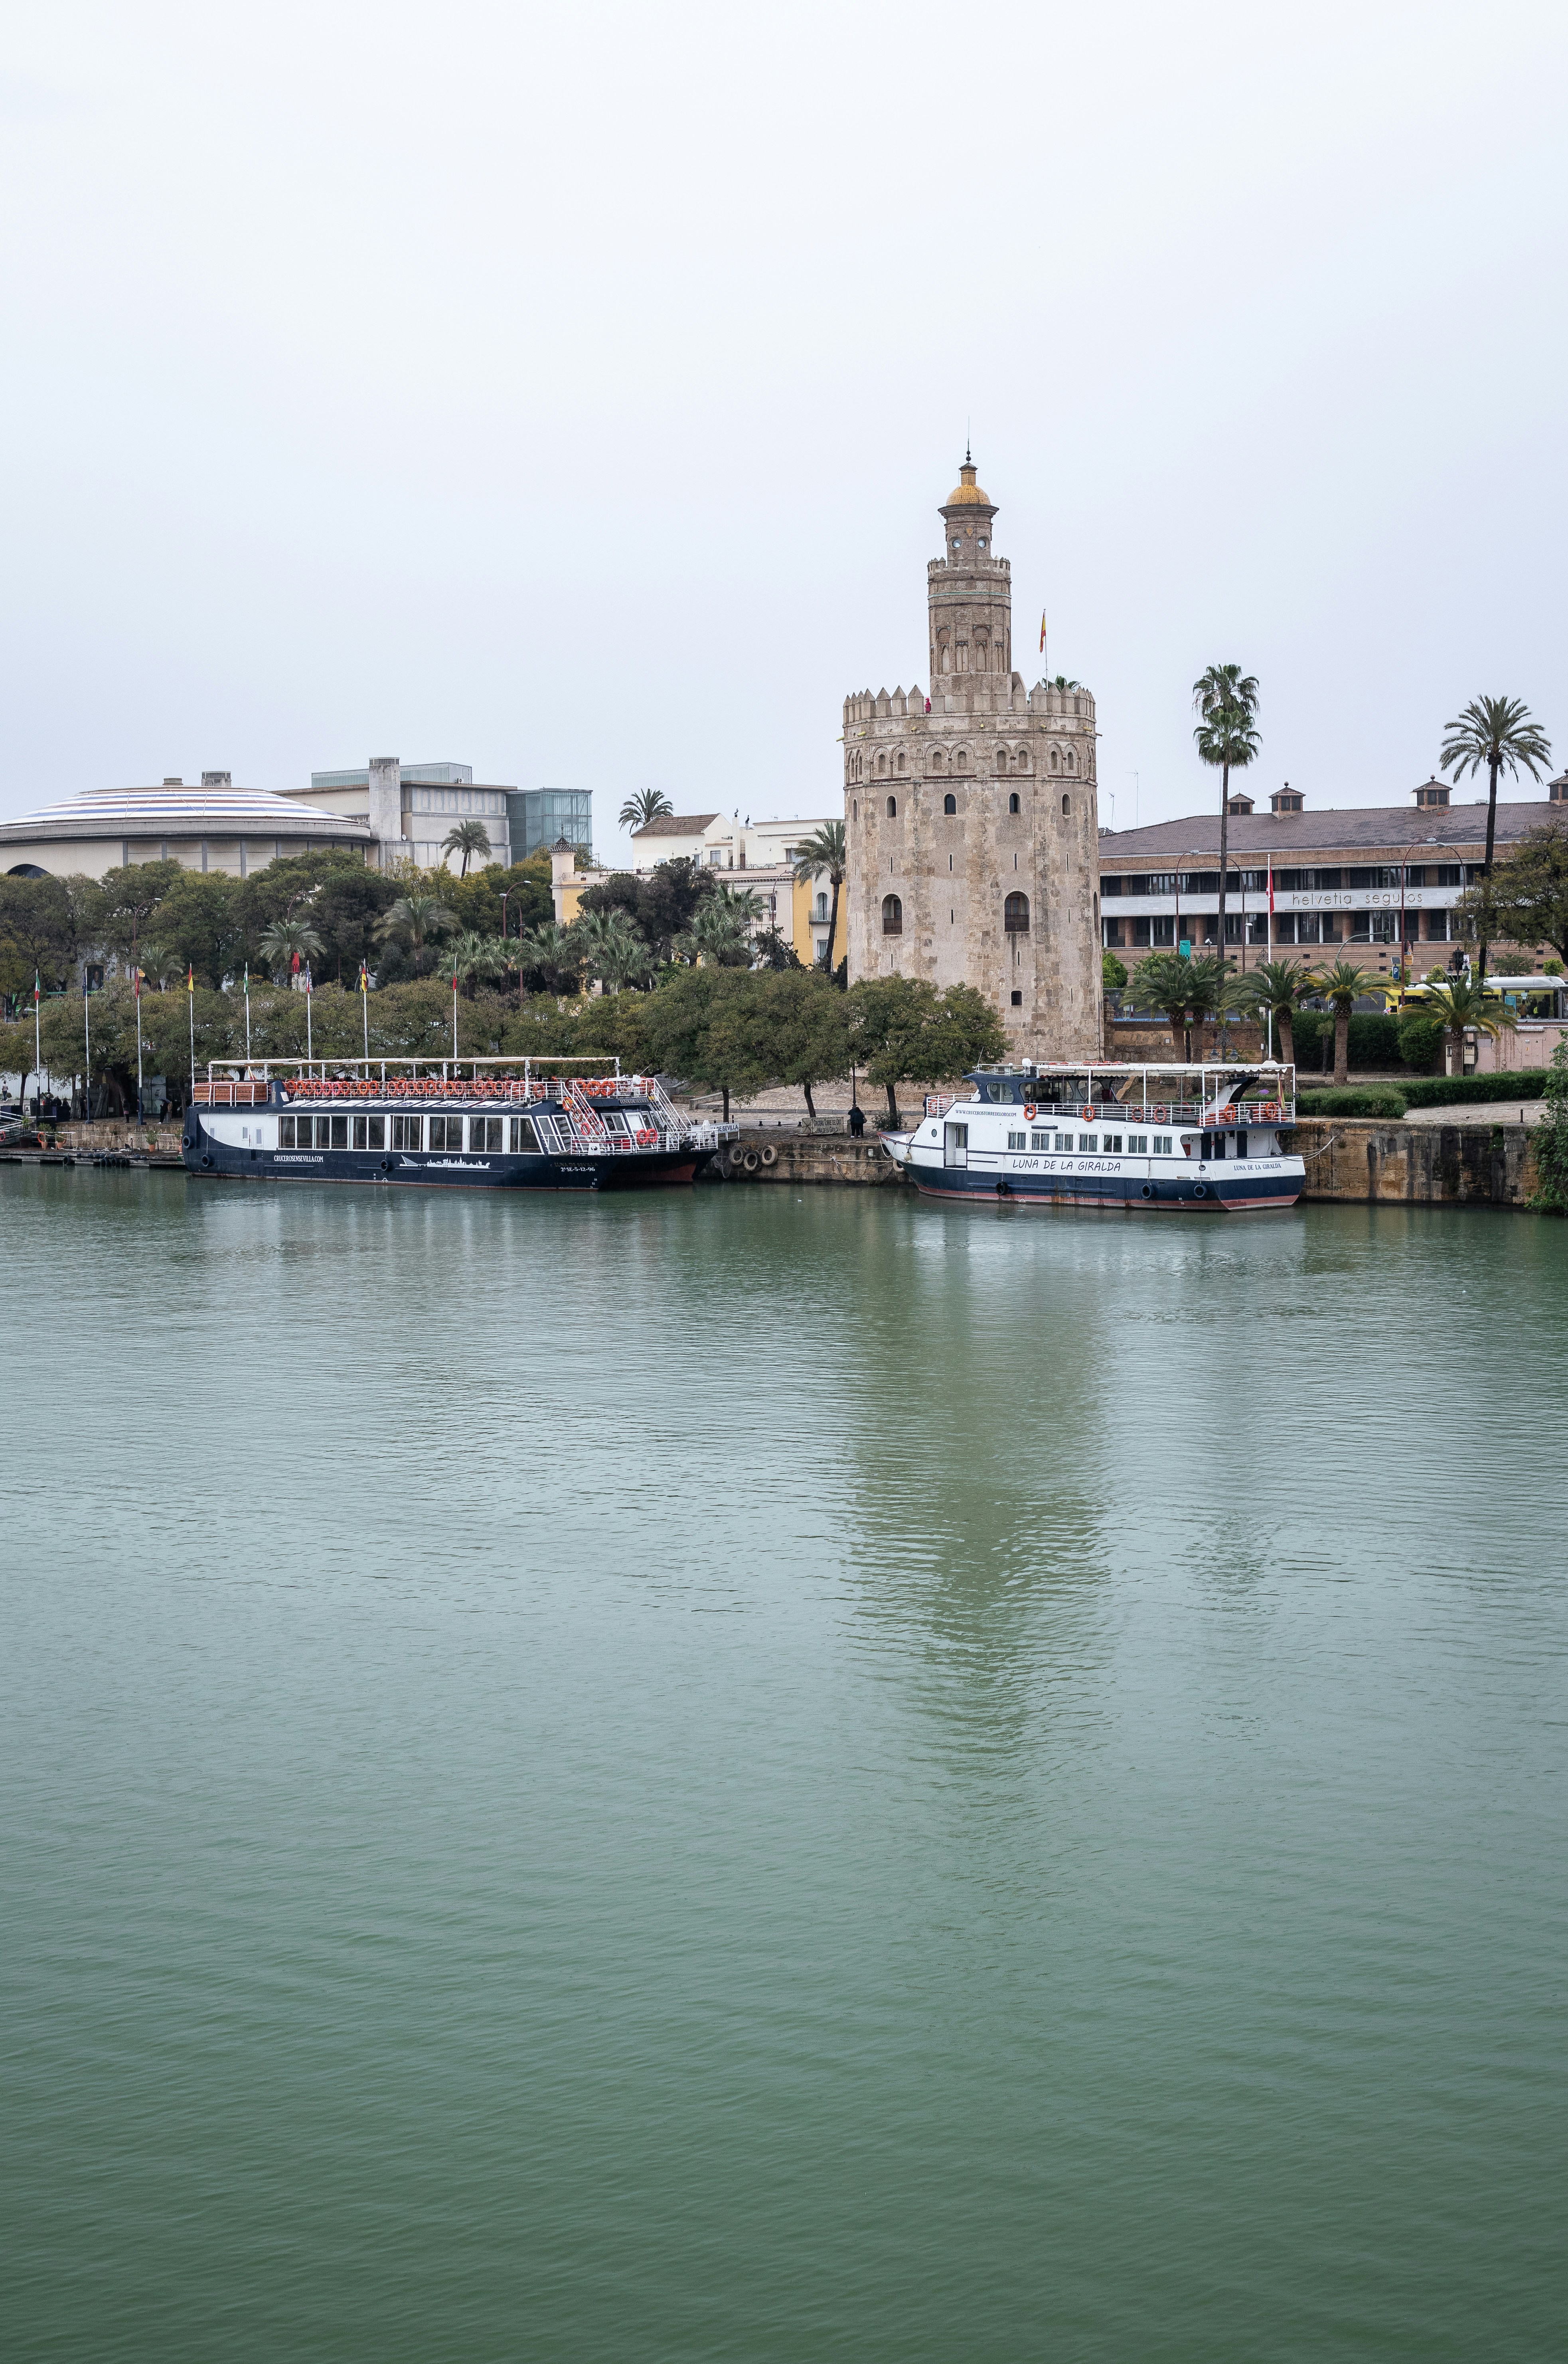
(972, 816)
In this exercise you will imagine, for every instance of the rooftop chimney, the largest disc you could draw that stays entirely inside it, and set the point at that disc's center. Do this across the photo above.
(217, 779)
(1433, 792)
(1286, 800)
(1557, 789)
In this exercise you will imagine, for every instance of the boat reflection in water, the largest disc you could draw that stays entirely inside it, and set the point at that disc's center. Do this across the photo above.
(490, 1125)
(1134, 1139)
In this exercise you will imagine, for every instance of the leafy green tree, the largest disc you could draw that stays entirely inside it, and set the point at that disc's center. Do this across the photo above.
(688, 1032)
(1184, 992)
(772, 950)
(660, 907)
(1496, 734)
(46, 924)
(800, 1028)
(1460, 1006)
(467, 838)
(291, 888)
(198, 924)
(415, 924)
(476, 900)
(1113, 971)
(642, 809)
(1525, 901)
(130, 897)
(344, 910)
(1227, 738)
(903, 1031)
(286, 946)
(825, 850)
(1551, 1194)
(1275, 989)
(1421, 1040)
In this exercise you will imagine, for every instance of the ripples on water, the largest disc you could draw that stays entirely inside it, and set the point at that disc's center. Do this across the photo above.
(767, 1776)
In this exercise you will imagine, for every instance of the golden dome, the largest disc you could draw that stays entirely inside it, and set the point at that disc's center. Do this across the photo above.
(966, 493)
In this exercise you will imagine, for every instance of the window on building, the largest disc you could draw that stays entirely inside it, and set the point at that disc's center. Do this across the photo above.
(1066, 804)
(891, 808)
(1437, 927)
(822, 907)
(903, 761)
(882, 765)
(1139, 932)
(1013, 804)
(983, 542)
(963, 759)
(1001, 759)
(949, 804)
(892, 916)
(1018, 1000)
(1111, 932)
(1161, 929)
(1016, 915)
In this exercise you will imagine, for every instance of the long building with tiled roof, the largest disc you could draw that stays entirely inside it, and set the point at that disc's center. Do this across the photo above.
(1345, 875)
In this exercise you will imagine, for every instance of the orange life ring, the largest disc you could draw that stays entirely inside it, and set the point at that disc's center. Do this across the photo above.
(1160, 1113)
(1228, 1115)
(1030, 1110)
(1087, 1114)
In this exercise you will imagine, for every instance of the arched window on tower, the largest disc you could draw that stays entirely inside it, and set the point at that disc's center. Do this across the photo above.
(892, 916)
(1066, 804)
(949, 804)
(892, 808)
(1001, 759)
(1055, 760)
(947, 658)
(1013, 805)
(903, 761)
(1023, 759)
(1016, 915)
(963, 759)
(882, 765)
(936, 759)
(1070, 761)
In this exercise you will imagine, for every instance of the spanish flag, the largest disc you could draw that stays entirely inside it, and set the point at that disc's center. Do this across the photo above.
(1042, 631)
(189, 979)
(364, 978)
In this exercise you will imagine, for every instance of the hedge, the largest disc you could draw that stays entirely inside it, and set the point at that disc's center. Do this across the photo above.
(1353, 1099)
(1445, 1091)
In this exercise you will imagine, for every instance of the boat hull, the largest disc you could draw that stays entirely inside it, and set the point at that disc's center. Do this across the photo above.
(1205, 1189)
(647, 1169)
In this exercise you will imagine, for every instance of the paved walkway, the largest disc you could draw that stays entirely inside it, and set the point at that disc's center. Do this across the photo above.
(1481, 1112)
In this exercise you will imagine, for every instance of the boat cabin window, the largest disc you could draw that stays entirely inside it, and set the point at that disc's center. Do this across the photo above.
(1162, 1144)
(1111, 1143)
(406, 1132)
(485, 1132)
(369, 1132)
(1018, 1141)
(1040, 1141)
(522, 1135)
(446, 1132)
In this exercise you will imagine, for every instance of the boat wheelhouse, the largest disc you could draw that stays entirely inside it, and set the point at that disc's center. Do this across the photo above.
(494, 1124)
(1132, 1139)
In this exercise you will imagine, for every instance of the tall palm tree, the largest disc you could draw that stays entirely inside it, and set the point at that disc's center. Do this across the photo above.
(1341, 988)
(475, 957)
(417, 921)
(1225, 700)
(1459, 1006)
(641, 810)
(286, 944)
(825, 850)
(1184, 991)
(467, 838)
(1275, 989)
(719, 930)
(1496, 732)
(611, 949)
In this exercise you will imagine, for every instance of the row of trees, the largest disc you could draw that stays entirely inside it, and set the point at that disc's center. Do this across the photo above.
(1187, 992)
(731, 1030)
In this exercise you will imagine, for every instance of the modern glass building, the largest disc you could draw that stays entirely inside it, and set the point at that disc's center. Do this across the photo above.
(537, 817)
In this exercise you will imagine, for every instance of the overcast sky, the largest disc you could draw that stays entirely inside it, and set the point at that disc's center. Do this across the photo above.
(569, 391)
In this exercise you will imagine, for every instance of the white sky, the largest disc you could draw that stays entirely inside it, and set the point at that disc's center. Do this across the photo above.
(569, 391)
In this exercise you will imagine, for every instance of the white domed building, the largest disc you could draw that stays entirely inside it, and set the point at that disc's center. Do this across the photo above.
(215, 826)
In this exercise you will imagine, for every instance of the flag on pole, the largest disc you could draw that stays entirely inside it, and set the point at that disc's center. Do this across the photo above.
(293, 965)
(364, 978)
(190, 978)
(136, 976)
(37, 988)
(309, 986)
(1042, 631)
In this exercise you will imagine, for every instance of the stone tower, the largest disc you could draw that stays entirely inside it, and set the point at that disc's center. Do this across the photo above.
(972, 817)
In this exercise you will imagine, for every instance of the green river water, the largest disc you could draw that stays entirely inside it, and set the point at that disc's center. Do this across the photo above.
(745, 1774)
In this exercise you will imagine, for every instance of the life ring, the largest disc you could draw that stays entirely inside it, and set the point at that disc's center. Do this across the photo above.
(1228, 1115)
(1160, 1113)
(1030, 1110)
(1087, 1114)
(1271, 1112)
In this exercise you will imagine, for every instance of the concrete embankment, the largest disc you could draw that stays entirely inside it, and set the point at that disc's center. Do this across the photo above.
(1429, 1164)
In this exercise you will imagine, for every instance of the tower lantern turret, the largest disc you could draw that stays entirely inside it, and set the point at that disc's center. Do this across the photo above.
(969, 591)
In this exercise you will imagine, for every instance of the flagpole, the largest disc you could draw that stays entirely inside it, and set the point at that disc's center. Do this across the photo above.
(1271, 949)
(38, 1054)
(87, 1040)
(309, 1048)
(454, 1013)
(247, 1013)
(365, 1006)
(136, 983)
(191, 1004)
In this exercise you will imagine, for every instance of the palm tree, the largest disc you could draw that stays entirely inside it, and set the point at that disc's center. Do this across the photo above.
(467, 838)
(641, 810)
(1457, 1005)
(1273, 989)
(1184, 991)
(1225, 700)
(417, 921)
(475, 957)
(556, 953)
(610, 948)
(823, 850)
(1341, 987)
(719, 930)
(1498, 732)
(286, 944)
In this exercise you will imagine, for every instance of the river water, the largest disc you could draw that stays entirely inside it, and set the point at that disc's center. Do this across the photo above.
(756, 1775)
